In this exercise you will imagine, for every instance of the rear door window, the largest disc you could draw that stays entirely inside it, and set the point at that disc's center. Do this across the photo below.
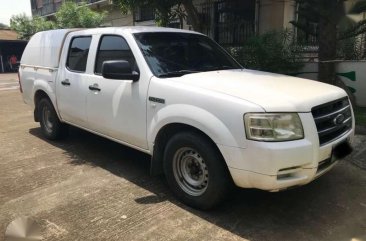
(78, 53)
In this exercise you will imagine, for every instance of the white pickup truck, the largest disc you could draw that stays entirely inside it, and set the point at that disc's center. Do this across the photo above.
(178, 96)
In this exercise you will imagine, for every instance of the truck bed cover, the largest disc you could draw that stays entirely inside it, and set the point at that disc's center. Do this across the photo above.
(44, 48)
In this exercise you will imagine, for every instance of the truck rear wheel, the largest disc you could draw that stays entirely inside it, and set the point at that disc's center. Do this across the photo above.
(51, 126)
(196, 171)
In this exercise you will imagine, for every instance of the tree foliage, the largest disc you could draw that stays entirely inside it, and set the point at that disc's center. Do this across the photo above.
(332, 11)
(26, 26)
(273, 51)
(165, 10)
(70, 15)
(331, 18)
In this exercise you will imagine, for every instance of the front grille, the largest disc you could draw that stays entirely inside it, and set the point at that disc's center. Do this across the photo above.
(332, 120)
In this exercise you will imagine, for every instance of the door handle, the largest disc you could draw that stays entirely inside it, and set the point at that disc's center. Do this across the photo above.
(65, 82)
(94, 87)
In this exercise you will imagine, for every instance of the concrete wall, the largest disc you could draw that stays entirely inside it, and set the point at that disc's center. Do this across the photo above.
(289, 13)
(275, 15)
(146, 23)
(352, 73)
(115, 18)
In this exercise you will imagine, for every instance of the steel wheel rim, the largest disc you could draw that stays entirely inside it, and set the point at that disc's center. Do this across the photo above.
(190, 171)
(47, 118)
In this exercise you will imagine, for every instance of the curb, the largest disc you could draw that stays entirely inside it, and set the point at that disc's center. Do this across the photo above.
(358, 156)
(360, 130)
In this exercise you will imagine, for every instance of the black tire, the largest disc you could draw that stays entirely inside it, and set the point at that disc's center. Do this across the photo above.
(195, 170)
(51, 126)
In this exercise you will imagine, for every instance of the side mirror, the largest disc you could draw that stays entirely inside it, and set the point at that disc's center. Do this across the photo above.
(119, 69)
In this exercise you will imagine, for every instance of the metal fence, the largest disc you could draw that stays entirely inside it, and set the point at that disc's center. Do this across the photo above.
(353, 48)
(228, 22)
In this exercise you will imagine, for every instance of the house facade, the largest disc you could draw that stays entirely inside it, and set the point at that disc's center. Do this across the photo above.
(230, 22)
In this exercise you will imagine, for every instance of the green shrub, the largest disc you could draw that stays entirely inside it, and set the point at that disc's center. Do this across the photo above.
(351, 48)
(273, 52)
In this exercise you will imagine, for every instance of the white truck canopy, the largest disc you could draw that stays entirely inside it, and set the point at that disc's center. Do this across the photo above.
(44, 48)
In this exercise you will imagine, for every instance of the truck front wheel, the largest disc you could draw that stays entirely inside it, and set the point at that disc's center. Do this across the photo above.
(196, 171)
(51, 126)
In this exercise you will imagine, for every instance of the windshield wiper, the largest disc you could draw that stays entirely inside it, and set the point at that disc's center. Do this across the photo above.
(177, 73)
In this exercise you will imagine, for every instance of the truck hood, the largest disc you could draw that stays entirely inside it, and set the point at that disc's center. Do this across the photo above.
(273, 92)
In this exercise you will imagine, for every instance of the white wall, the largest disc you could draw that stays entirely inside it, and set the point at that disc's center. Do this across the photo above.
(352, 73)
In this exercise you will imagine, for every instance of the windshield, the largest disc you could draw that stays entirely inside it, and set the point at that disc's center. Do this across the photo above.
(175, 54)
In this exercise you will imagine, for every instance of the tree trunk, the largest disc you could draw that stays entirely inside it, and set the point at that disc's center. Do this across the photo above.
(342, 85)
(329, 18)
(192, 14)
(327, 49)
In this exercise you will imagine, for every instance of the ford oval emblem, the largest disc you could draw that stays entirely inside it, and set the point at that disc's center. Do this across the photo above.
(338, 120)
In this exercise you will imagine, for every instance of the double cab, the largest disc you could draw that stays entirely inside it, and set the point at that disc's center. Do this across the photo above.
(207, 122)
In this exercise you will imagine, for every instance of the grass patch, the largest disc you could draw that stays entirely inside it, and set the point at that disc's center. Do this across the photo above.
(360, 116)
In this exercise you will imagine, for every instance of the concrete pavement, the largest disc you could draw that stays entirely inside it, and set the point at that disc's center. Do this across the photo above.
(88, 188)
(9, 81)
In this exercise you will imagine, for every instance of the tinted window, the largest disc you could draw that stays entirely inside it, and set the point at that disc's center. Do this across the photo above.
(174, 54)
(113, 48)
(78, 53)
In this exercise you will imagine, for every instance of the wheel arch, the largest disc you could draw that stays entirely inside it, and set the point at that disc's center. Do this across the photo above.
(162, 138)
(196, 117)
(40, 94)
(182, 117)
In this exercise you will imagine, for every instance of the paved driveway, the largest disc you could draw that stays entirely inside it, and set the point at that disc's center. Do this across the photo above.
(89, 188)
(9, 82)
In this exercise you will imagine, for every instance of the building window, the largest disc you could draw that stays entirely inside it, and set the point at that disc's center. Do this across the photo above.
(144, 13)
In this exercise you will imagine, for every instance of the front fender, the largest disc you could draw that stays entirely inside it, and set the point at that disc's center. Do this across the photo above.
(193, 116)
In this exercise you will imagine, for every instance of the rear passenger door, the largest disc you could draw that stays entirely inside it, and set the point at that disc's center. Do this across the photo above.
(71, 86)
(117, 108)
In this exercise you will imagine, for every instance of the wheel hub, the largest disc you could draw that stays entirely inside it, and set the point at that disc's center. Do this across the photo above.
(190, 171)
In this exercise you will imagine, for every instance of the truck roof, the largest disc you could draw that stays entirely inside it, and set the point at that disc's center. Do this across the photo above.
(45, 47)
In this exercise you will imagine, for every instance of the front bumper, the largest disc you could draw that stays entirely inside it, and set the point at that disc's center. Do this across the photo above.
(294, 177)
(281, 165)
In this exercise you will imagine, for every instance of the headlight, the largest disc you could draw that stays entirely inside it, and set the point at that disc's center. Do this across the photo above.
(273, 126)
